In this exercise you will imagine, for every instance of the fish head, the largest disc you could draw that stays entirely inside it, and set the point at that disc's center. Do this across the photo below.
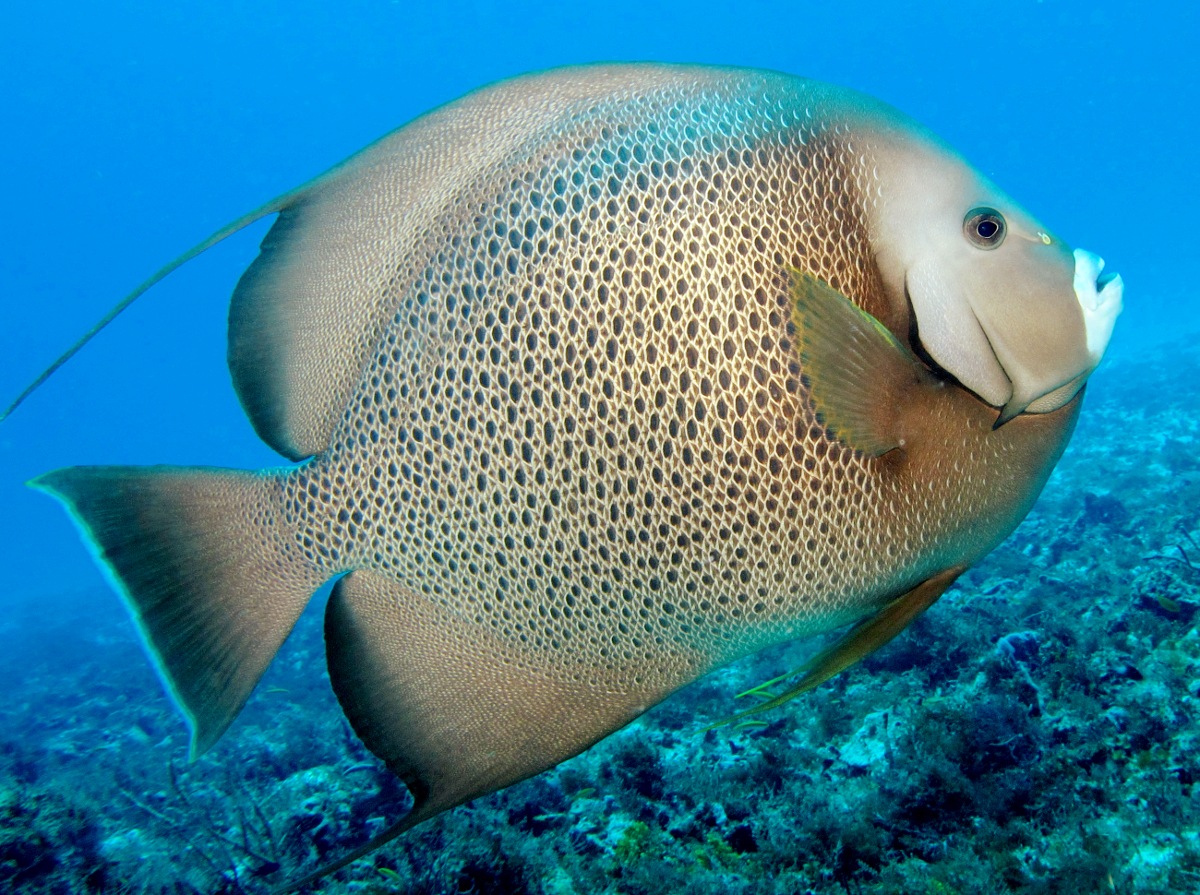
(991, 296)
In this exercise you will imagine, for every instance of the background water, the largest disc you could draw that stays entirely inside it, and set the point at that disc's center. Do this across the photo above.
(133, 129)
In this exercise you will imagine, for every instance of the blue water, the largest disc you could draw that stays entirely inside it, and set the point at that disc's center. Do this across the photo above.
(132, 130)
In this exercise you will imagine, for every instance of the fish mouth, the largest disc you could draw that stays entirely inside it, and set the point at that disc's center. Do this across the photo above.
(1101, 297)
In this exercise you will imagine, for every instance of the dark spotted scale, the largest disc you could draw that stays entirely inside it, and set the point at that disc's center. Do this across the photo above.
(584, 426)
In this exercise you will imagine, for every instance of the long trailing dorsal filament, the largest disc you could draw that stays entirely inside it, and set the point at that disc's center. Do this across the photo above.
(275, 205)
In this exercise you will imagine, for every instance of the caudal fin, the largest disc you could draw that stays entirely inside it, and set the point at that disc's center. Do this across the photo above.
(214, 580)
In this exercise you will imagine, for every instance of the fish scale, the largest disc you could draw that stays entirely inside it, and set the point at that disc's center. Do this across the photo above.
(656, 516)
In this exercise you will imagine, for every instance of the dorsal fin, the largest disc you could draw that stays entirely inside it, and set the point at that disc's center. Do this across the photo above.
(339, 262)
(228, 230)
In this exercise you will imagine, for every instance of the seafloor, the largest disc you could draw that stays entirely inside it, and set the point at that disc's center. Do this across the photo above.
(1036, 732)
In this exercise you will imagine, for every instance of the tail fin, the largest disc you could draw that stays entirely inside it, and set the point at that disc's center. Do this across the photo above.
(213, 578)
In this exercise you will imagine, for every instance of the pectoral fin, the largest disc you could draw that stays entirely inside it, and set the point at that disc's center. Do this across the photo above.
(857, 372)
(860, 641)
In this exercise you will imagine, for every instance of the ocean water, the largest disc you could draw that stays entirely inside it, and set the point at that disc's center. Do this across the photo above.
(1035, 732)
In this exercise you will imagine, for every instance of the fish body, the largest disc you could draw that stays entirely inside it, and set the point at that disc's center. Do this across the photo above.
(595, 380)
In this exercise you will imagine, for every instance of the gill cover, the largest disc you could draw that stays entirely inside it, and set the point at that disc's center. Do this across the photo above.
(996, 300)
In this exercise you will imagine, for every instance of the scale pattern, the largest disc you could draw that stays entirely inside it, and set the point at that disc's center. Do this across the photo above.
(586, 427)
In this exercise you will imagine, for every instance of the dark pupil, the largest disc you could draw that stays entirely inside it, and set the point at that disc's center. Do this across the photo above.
(987, 228)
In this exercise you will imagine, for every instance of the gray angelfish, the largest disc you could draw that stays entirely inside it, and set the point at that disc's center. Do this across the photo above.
(595, 380)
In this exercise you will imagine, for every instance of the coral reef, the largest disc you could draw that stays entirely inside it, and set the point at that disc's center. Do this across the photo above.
(1034, 732)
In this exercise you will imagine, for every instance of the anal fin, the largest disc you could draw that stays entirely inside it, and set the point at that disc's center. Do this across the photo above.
(458, 709)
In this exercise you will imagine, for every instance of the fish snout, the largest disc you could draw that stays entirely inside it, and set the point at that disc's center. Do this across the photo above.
(1064, 361)
(1100, 297)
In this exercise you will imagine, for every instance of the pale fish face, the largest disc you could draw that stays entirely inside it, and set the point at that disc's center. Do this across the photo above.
(1000, 303)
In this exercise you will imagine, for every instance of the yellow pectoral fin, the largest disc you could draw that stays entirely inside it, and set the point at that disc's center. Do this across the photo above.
(860, 641)
(857, 372)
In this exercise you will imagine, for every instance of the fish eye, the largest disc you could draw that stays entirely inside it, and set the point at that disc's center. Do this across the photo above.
(984, 227)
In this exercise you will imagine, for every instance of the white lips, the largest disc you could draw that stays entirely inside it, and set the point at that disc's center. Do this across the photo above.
(1100, 308)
